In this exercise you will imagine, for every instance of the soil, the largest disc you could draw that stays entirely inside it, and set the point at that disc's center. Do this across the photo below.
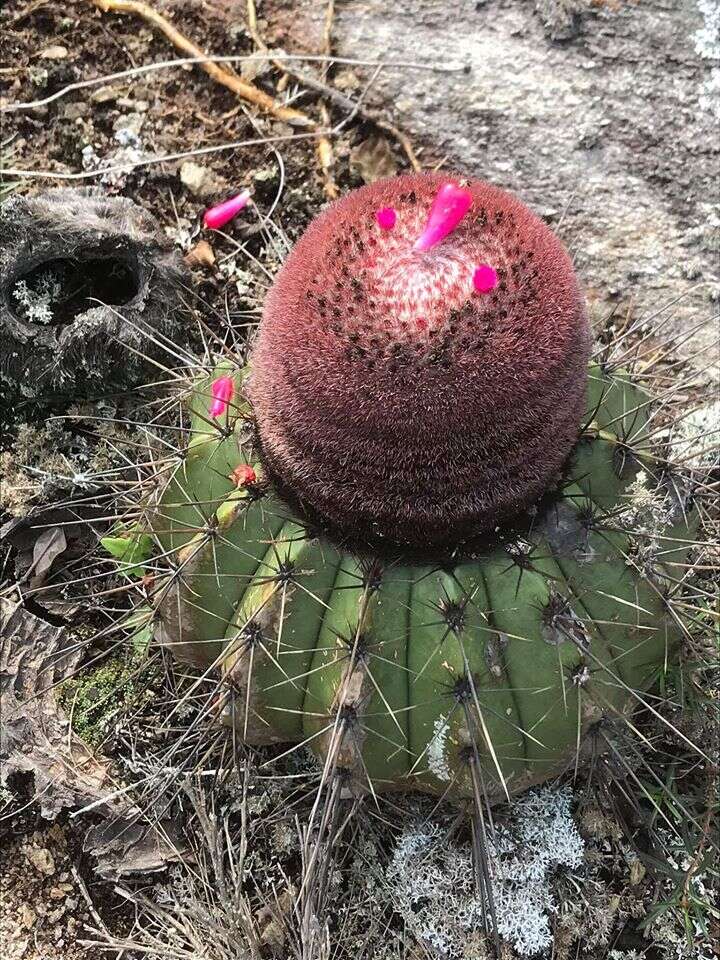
(44, 913)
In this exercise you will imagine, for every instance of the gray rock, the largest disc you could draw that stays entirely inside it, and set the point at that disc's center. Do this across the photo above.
(607, 133)
(200, 180)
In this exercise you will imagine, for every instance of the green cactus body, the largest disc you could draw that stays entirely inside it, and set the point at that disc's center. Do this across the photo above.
(407, 674)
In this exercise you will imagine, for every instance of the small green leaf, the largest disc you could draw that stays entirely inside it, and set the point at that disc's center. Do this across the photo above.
(140, 623)
(131, 548)
(141, 640)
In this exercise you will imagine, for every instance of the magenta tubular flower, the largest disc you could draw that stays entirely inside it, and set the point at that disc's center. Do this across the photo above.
(450, 206)
(217, 217)
(222, 393)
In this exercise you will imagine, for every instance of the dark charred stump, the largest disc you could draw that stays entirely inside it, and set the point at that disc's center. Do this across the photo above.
(89, 291)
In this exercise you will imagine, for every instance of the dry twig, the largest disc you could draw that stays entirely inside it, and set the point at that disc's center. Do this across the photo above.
(331, 93)
(324, 147)
(238, 86)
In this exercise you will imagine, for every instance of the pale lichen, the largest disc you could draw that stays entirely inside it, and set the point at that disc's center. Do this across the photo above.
(707, 46)
(36, 299)
(648, 507)
(695, 439)
(436, 758)
(433, 887)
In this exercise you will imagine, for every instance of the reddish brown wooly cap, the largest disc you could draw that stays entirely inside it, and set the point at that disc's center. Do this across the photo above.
(401, 401)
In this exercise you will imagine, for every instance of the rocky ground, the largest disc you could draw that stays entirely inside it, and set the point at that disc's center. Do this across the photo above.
(42, 905)
(601, 114)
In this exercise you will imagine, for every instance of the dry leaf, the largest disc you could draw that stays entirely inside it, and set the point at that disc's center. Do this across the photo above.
(123, 848)
(373, 159)
(48, 546)
(272, 921)
(34, 738)
(201, 255)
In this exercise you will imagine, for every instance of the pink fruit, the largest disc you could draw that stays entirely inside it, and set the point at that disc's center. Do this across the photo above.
(222, 392)
(216, 217)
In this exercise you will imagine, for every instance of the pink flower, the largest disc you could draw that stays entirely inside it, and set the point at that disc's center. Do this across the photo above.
(484, 278)
(217, 217)
(222, 392)
(386, 218)
(449, 207)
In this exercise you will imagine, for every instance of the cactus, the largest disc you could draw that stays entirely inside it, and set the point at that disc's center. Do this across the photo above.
(404, 534)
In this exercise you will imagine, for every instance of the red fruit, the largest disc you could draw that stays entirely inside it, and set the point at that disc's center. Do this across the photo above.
(243, 476)
(392, 400)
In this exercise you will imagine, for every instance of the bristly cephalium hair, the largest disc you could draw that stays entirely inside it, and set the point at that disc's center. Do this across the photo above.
(395, 400)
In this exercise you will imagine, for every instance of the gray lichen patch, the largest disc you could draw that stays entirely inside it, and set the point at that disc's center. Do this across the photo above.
(430, 879)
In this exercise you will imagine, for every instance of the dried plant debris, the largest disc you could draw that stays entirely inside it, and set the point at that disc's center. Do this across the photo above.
(36, 735)
(45, 703)
(372, 159)
(123, 848)
(76, 454)
(90, 291)
(49, 549)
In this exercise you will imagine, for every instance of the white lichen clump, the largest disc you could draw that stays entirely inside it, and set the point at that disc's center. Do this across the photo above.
(36, 301)
(119, 163)
(433, 885)
(707, 38)
(437, 762)
(648, 505)
(707, 46)
(696, 437)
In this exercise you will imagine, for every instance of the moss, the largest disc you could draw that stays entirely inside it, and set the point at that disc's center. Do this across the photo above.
(98, 695)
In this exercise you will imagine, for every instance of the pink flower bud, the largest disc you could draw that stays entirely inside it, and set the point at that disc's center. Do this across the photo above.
(222, 392)
(386, 218)
(449, 207)
(217, 217)
(484, 278)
